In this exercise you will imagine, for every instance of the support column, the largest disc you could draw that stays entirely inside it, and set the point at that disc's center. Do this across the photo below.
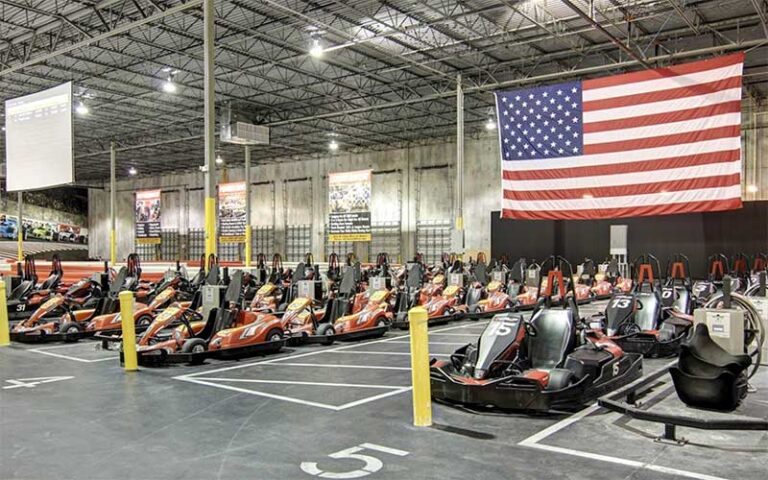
(209, 109)
(20, 226)
(248, 252)
(458, 239)
(112, 203)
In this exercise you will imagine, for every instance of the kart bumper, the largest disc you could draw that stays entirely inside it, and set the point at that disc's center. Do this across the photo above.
(489, 313)
(401, 319)
(361, 334)
(156, 358)
(648, 345)
(39, 337)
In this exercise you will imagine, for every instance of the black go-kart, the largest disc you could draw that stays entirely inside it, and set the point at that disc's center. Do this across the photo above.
(639, 321)
(550, 363)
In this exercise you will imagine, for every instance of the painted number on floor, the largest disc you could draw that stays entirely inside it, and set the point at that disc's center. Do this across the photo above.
(32, 382)
(372, 464)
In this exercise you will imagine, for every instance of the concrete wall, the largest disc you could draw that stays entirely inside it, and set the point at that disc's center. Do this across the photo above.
(409, 185)
(42, 213)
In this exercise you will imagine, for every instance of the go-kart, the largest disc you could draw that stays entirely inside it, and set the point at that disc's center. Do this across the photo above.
(606, 279)
(442, 303)
(270, 294)
(72, 308)
(638, 322)
(171, 289)
(551, 363)
(228, 333)
(759, 265)
(717, 268)
(529, 293)
(486, 298)
(28, 295)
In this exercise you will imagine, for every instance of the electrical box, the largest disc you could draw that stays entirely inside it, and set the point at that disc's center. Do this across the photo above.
(726, 327)
(310, 289)
(761, 304)
(456, 279)
(212, 298)
(379, 283)
(499, 276)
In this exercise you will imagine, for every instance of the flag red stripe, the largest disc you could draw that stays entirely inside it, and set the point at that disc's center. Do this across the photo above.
(615, 169)
(626, 190)
(663, 141)
(668, 209)
(664, 72)
(662, 95)
(660, 118)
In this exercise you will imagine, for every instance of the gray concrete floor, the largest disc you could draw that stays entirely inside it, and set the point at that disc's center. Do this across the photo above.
(240, 420)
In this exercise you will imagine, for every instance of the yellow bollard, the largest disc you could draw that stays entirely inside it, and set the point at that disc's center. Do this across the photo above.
(248, 252)
(20, 245)
(422, 394)
(112, 248)
(5, 336)
(129, 332)
(210, 227)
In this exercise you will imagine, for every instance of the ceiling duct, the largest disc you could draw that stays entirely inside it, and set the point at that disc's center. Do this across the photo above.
(236, 127)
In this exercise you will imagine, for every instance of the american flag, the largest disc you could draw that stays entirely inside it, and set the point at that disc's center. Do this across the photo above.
(656, 142)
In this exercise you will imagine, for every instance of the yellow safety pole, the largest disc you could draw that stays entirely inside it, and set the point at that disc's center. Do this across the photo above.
(422, 395)
(5, 336)
(112, 248)
(129, 332)
(248, 245)
(210, 227)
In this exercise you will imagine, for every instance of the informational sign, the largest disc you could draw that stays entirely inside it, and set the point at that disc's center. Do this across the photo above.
(38, 140)
(148, 217)
(232, 219)
(349, 199)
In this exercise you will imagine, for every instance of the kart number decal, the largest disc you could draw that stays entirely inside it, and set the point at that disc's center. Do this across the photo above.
(621, 302)
(616, 369)
(21, 307)
(501, 328)
(372, 464)
(250, 331)
(666, 294)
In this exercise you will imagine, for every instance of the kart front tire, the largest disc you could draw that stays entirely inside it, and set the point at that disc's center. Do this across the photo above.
(559, 378)
(274, 335)
(143, 321)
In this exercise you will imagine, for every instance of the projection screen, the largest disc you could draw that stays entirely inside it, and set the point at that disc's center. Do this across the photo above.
(38, 139)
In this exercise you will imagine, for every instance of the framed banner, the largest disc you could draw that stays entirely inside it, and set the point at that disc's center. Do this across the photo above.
(349, 200)
(148, 217)
(232, 212)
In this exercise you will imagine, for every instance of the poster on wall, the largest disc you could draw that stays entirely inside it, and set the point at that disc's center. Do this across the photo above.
(35, 230)
(148, 217)
(232, 212)
(349, 200)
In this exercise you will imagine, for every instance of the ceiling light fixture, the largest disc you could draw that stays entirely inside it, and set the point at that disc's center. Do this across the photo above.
(316, 50)
(752, 188)
(169, 86)
(219, 160)
(82, 109)
(132, 171)
(333, 146)
(490, 124)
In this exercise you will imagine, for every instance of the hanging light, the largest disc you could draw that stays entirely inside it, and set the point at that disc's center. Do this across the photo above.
(490, 124)
(333, 146)
(752, 188)
(132, 171)
(316, 50)
(82, 109)
(169, 86)
(219, 160)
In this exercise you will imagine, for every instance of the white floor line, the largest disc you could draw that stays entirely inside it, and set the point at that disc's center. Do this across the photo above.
(437, 343)
(74, 359)
(341, 365)
(373, 398)
(374, 352)
(554, 428)
(261, 394)
(297, 382)
(68, 345)
(457, 334)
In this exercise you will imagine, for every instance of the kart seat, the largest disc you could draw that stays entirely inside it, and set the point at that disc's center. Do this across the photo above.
(50, 282)
(707, 376)
(22, 290)
(551, 339)
(648, 310)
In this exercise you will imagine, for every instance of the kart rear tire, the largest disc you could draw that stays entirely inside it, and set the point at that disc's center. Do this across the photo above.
(326, 329)
(194, 345)
(559, 378)
(274, 335)
(144, 321)
(70, 327)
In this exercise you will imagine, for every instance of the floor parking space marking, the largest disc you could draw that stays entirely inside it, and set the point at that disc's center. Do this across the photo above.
(373, 352)
(213, 378)
(533, 442)
(44, 351)
(436, 343)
